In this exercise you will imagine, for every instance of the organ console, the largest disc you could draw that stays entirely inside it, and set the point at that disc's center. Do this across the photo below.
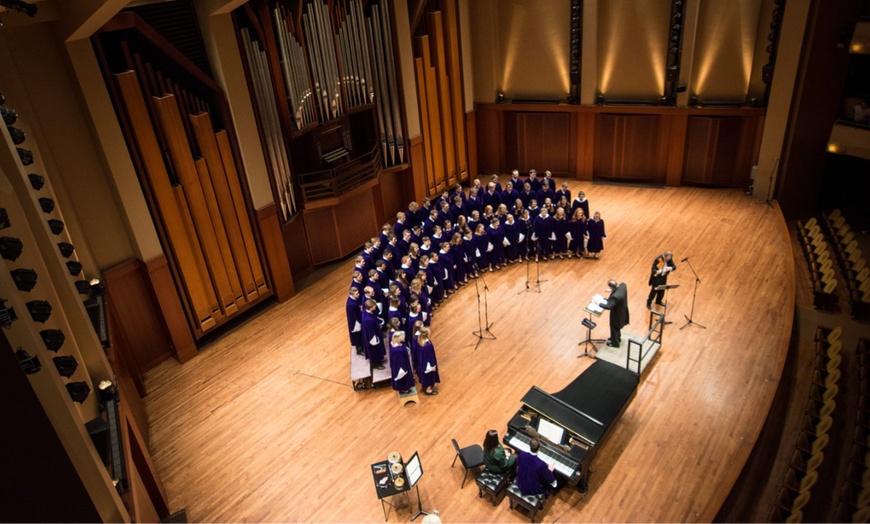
(572, 424)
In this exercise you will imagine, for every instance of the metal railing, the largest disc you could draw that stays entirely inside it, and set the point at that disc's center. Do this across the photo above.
(331, 183)
(656, 330)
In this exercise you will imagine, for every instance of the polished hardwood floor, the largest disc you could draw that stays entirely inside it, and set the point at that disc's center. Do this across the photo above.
(264, 426)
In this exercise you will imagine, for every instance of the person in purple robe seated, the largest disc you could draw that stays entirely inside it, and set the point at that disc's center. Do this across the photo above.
(427, 364)
(534, 476)
(400, 364)
(371, 333)
(354, 320)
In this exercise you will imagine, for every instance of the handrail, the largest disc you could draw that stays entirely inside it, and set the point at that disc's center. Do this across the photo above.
(659, 322)
(331, 183)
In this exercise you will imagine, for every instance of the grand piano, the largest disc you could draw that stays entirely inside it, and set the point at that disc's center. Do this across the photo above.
(572, 424)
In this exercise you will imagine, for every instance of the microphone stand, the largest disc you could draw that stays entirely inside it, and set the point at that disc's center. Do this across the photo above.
(694, 293)
(529, 264)
(482, 333)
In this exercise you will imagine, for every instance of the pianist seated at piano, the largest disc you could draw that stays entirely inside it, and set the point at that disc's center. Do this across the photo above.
(534, 476)
(495, 458)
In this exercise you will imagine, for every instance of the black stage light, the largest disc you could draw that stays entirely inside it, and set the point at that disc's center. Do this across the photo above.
(53, 339)
(98, 289)
(10, 248)
(83, 287)
(79, 391)
(499, 98)
(7, 314)
(9, 115)
(65, 365)
(36, 181)
(4, 218)
(17, 135)
(21, 6)
(693, 101)
(107, 390)
(74, 267)
(600, 100)
(55, 225)
(46, 204)
(25, 279)
(30, 364)
(26, 156)
(39, 310)
(66, 249)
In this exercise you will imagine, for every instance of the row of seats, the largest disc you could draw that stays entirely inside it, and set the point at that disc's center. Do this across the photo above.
(819, 262)
(851, 260)
(813, 437)
(854, 502)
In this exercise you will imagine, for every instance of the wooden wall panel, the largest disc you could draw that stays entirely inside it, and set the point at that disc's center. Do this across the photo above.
(357, 220)
(276, 255)
(471, 133)
(393, 194)
(171, 308)
(712, 150)
(627, 147)
(544, 142)
(294, 234)
(322, 233)
(489, 139)
(138, 316)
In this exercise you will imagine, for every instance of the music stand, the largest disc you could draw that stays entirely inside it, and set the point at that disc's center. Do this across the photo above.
(593, 308)
(413, 472)
(665, 288)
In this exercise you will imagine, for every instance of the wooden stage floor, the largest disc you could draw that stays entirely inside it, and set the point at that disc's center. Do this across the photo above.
(264, 426)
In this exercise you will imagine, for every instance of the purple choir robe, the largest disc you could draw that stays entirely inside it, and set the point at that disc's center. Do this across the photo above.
(526, 197)
(560, 228)
(578, 231)
(400, 361)
(496, 238)
(512, 235)
(533, 475)
(584, 205)
(596, 235)
(481, 242)
(563, 193)
(354, 321)
(372, 343)
(448, 270)
(543, 228)
(426, 359)
(534, 183)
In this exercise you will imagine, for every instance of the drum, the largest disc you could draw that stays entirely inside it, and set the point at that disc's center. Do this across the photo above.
(399, 482)
(394, 458)
(396, 469)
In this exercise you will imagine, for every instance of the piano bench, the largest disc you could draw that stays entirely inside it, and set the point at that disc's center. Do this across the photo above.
(531, 503)
(493, 485)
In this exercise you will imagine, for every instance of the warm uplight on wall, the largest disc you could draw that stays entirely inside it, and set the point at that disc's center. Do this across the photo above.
(836, 147)
(857, 47)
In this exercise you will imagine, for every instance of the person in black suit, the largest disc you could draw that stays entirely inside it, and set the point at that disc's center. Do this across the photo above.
(617, 303)
(661, 267)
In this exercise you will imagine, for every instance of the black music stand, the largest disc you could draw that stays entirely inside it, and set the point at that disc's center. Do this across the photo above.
(413, 472)
(665, 288)
(593, 308)
(695, 292)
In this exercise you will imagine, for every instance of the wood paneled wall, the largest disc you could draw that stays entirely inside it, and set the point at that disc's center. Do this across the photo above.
(438, 70)
(655, 145)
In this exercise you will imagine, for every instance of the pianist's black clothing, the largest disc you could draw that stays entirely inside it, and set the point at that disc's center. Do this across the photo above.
(533, 475)
(617, 303)
(497, 461)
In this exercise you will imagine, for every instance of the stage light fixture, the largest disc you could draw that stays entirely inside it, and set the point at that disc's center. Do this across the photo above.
(499, 98)
(600, 100)
(66, 249)
(107, 390)
(9, 115)
(39, 310)
(10, 248)
(78, 391)
(25, 279)
(55, 225)
(30, 364)
(53, 339)
(693, 101)
(46, 204)
(25, 155)
(4, 218)
(36, 181)
(17, 135)
(74, 267)
(83, 287)
(65, 365)
(98, 289)
(7, 314)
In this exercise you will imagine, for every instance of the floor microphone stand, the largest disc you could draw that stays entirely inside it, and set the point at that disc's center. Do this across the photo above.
(694, 293)
(483, 326)
(529, 267)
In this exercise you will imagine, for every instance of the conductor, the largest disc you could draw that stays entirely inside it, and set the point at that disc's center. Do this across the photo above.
(617, 303)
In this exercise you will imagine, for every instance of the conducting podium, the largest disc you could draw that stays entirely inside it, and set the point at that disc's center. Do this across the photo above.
(593, 308)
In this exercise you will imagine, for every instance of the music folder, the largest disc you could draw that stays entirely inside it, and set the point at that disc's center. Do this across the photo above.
(594, 305)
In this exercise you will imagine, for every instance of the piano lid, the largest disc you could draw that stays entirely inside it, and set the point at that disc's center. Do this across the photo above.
(589, 404)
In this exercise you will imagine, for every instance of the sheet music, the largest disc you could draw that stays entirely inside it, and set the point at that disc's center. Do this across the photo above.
(594, 304)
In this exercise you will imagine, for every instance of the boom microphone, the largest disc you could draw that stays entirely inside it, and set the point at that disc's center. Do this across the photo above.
(683, 260)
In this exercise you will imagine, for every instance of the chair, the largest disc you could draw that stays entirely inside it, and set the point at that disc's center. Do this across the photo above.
(810, 223)
(830, 287)
(814, 446)
(800, 462)
(492, 485)
(855, 255)
(531, 503)
(862, 515)
(471, 458)
(835, 334)
(835, 214)
(802, 485)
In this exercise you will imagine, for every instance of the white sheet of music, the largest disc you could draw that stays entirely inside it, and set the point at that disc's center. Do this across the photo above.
(594, 304)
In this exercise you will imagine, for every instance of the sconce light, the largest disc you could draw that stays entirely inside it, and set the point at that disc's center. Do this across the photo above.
(52, 338)
(25, 155)
(10, 248)
(65, 365)
(7, 314)
(499, 98)
(9, 115)
(74, 267)
(835, 147)
(83, 287)
(79, 391)
(25, 279)
(66, 249)
(18, 136)
(46, 204)
(30, 364)
(36, 181)
(107, 390)
(56, 226)
(39, 310)
(98, 289)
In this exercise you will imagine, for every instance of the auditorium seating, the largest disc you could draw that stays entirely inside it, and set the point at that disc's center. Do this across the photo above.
(813, 437)
(854, 491)
(821, 267)
(850, 260)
